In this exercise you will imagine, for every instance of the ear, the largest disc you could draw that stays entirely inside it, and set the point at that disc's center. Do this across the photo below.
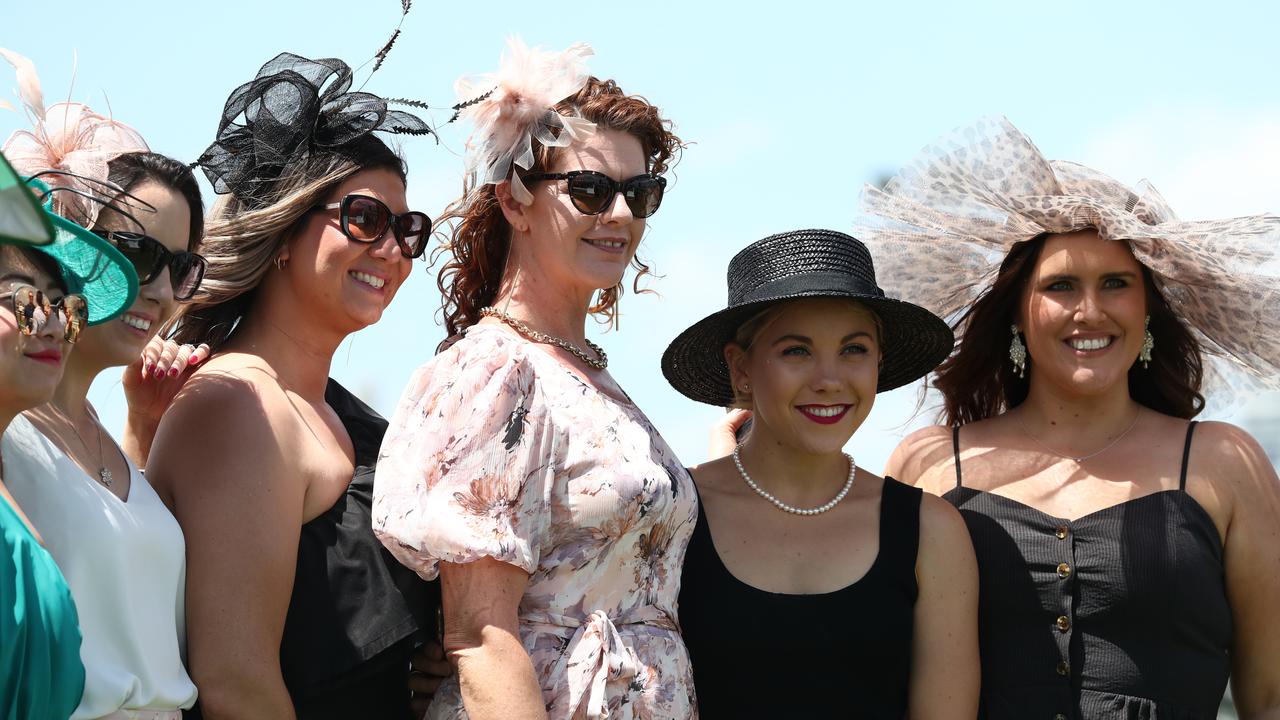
(736, 358)
(515, 211)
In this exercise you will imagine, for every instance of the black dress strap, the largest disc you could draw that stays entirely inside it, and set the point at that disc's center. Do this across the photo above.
(955, 447)
(1186, 456)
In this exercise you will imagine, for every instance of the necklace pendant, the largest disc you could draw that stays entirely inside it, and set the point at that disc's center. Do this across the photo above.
(104, 477)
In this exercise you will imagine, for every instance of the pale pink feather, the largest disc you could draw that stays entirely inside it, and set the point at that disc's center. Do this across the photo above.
(28, 82)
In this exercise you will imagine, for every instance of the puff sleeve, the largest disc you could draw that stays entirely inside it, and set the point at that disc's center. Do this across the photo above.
(465, 469)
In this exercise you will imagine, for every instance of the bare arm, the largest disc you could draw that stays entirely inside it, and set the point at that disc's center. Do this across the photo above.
(240, 507)
(481, 637)
(944, 655)
(1252, 556)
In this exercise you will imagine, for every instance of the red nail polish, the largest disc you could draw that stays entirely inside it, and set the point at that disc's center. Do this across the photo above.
(173, 372)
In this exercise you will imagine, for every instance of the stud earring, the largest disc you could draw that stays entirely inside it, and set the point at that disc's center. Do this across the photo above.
(1148, 344)
(1018, 353)
(281, 262)
(745, 387)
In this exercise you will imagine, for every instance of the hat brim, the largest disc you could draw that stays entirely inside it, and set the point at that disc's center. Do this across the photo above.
(914, 342)
(22, 220)
(93, 268)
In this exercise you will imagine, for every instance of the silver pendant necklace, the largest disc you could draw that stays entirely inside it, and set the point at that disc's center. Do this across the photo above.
(103, 475)
(853, 469)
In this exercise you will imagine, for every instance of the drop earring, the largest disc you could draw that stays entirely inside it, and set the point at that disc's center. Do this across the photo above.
(1148, 344)
(1018, 353)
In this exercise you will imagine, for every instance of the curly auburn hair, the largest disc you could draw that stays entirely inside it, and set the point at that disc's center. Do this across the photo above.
(481, 236)
(977, 383)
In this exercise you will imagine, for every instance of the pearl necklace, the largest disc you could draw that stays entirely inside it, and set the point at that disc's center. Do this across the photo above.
(544, 338)
(853, 469)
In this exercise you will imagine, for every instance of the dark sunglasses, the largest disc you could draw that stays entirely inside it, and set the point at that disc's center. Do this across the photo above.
(149, 256)
(365, 220)
(592, 192)
(34, 311)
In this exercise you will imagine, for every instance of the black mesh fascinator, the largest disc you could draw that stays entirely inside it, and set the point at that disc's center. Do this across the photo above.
(295, 106)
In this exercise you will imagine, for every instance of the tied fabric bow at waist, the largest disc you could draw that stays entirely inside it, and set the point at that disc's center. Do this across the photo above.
(597, 655)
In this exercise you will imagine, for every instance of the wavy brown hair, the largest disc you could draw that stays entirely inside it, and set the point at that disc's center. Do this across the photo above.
(481, 235)
(242, 239)
(978, 381)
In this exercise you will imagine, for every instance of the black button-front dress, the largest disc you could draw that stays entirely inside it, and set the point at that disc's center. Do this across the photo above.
(1121, 614)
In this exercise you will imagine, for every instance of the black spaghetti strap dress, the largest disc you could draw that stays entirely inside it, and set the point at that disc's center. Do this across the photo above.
(843, 654)
(1121, 614)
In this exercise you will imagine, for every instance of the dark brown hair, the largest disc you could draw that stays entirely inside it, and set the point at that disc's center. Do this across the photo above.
(979, 382)
(128, 170)
(244, 237)
(481, 237)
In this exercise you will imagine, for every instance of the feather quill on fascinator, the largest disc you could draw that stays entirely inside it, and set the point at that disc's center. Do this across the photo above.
(514, 106)
(68, 137)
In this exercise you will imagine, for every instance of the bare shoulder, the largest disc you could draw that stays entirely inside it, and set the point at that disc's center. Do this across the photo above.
(946, 552)
(1230, 458)
(923, 458)
(940, 521)
(715, 477)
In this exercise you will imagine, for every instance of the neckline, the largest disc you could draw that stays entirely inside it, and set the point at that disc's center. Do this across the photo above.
(1093, 513)
(624, 401)
(134, 476)
(705, 524)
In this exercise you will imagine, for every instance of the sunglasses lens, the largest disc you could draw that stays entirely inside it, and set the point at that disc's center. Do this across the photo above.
(75, 315)
(141, 251)
(366, 218)
(27, 306)
(188, 271)
(644, 195)
(591, 192)
(414, 229)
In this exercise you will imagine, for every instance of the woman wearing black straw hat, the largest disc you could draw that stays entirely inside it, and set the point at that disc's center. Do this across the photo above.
(861, 590)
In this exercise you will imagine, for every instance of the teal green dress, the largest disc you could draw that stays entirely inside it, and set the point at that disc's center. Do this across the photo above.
(41, 677)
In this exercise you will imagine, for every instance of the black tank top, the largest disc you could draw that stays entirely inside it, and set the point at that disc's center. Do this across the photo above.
(1119, 614)
(843, 654)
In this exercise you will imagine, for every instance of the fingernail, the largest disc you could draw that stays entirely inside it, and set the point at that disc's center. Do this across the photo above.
(194, 361)
(173, 372)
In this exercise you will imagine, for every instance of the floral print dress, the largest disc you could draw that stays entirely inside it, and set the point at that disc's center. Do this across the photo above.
(497, 449)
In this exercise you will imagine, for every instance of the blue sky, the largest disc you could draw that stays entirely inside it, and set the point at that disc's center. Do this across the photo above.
(790, 108)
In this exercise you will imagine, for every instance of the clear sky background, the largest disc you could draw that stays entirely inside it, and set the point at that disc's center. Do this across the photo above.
(790, 107)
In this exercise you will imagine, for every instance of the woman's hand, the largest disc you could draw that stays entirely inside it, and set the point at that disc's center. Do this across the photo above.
(724, 434)
(150, 384)
(430, 668)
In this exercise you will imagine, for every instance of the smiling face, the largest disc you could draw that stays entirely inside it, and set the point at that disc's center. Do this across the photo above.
(343, 282)
(120, 341)
(557, 244)
(30, 366)
(1083, 313)
(812, 368)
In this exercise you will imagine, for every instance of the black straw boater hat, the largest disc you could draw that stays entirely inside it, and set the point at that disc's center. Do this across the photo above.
(804, 264)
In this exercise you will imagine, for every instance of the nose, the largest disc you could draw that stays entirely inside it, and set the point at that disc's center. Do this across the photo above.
(160, 289)
(1089, 310)
(825, 377)
(387, 247)
(618, 212)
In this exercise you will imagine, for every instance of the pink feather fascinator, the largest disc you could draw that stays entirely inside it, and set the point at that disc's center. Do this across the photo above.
(515, 106)
(69, 137)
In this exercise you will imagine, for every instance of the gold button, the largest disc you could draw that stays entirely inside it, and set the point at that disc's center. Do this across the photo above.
(1064, 571)
(1062, 532)
(1063, 623)
(1059, 716)
(1063, 668)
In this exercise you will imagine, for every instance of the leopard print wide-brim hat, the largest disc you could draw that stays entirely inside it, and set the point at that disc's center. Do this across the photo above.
(795, 265)
(940, 229)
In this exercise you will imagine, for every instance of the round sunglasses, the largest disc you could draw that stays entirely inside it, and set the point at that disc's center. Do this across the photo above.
(365, 220)
(592, 192)
(34, 311)
(149, 256)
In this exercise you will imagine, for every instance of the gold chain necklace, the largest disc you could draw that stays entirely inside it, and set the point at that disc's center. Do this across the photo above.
(104, 474)
(541, 337)
(1082, 458)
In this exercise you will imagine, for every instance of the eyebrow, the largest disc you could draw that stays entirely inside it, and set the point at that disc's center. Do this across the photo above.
(1067, 276)
(17, 276)
(809, 341)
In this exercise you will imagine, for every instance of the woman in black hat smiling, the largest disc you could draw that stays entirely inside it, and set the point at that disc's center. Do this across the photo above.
(862, 589)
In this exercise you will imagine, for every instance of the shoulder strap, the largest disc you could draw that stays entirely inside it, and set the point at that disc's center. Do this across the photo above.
(900, 525)
(955, 447)
(1186, 456)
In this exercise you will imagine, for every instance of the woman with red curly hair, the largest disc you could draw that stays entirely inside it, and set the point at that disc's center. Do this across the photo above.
(515, 467)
